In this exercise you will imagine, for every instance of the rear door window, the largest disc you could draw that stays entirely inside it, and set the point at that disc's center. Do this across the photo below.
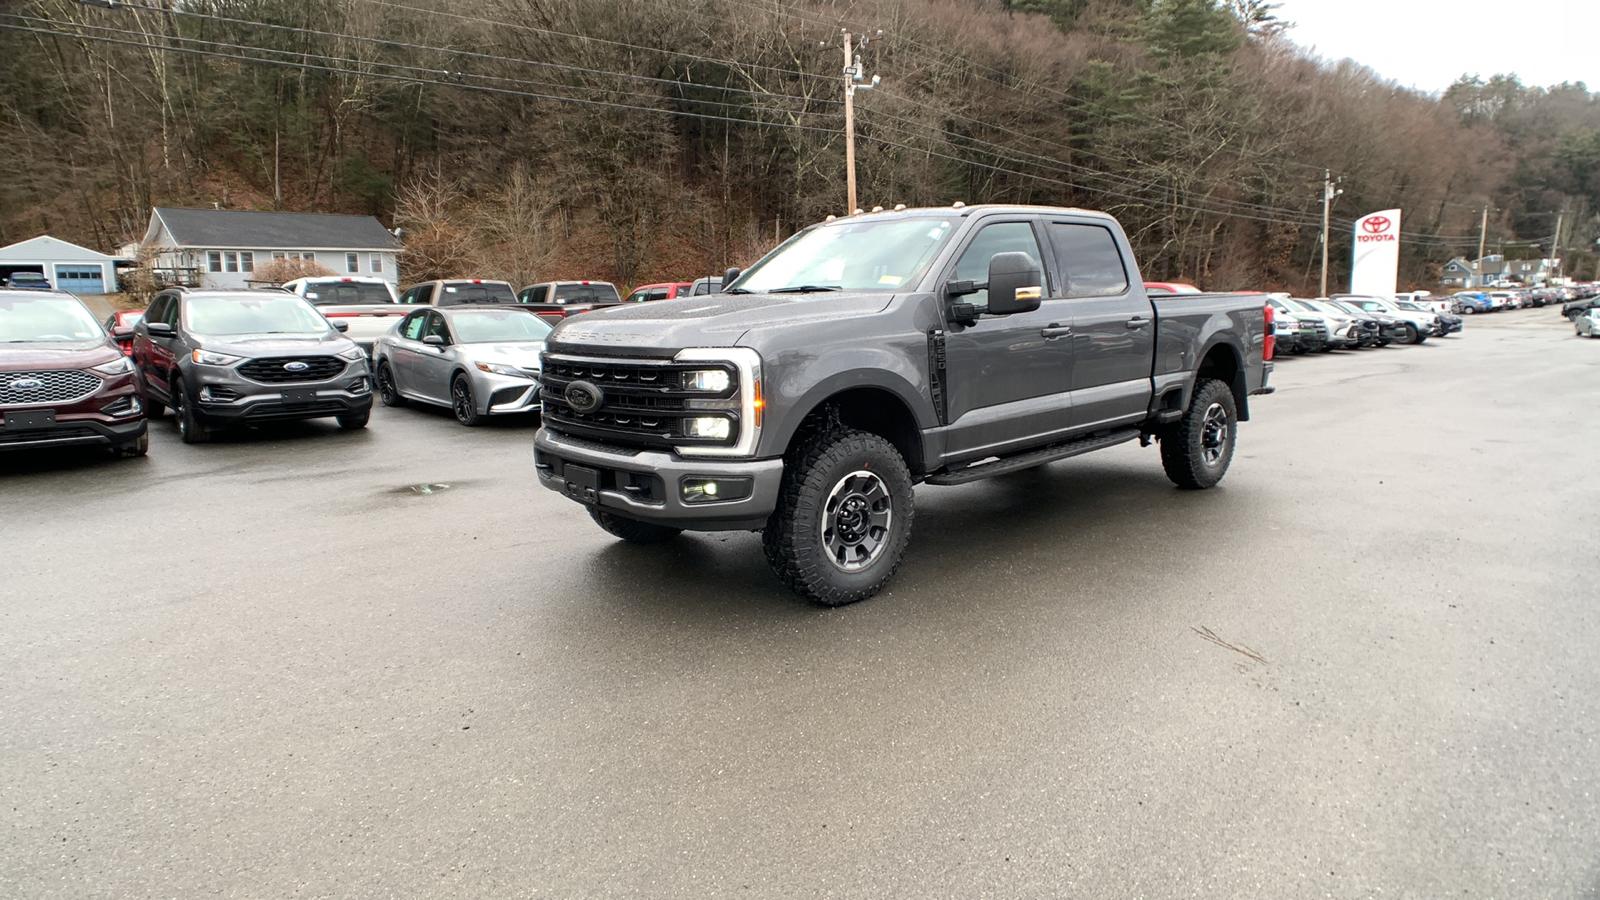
(1087, 260)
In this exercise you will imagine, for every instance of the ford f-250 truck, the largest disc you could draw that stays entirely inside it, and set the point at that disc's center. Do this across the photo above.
(870, 353)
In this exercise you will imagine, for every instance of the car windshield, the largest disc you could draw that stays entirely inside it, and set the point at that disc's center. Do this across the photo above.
(47, 320)
(1301, 305)
(226, 316)
(1403, 304)
(477, 292)
(586, 293)
(875, 254)
(492, 325)
(341, 293)
(1347, 307)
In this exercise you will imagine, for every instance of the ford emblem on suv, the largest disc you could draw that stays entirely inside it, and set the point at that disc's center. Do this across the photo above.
(26, 384)
(296, 366)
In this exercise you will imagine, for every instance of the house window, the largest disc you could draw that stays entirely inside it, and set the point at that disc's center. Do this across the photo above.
(375, 262)
(308, 255)
(352, 262)
(279, 254)
(213, 260)
(230, 261)
(247, 261)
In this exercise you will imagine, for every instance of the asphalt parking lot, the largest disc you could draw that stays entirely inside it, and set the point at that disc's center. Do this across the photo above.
(306, 663)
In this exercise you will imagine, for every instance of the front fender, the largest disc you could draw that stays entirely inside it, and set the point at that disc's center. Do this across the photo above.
(799, 381)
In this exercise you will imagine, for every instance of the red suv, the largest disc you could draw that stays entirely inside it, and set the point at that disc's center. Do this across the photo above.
(63, 380)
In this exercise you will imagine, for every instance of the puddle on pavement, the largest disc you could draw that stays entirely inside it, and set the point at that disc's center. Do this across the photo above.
(431, 488)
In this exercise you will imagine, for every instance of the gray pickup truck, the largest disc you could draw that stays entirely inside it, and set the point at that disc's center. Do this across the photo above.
(870, 353)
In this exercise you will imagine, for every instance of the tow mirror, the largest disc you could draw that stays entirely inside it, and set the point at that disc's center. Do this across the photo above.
(730, 275)
(1015, 284)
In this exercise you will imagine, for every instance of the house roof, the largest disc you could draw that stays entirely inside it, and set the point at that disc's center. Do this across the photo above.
(248, 229)
(46, 247)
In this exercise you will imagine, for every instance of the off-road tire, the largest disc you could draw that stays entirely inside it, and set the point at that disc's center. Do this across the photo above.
(387, 392)
(632, 530)
(833, 482)
(134, 448)
(353, 421)
(462, 403)
(1196, 450)
(189, 425)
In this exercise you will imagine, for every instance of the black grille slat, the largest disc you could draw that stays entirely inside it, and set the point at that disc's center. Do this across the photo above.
(271, 370)
(58, 386)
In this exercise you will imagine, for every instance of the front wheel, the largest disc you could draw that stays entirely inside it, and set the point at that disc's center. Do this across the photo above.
(189, 425)
(134, 448)
(843, 518)
(1196, 450)
(462, 402)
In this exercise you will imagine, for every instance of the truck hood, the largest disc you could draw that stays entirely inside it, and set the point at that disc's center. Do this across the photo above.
(662, 327)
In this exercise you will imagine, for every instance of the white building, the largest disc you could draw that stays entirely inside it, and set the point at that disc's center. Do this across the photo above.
(220, 248)
(67, 266)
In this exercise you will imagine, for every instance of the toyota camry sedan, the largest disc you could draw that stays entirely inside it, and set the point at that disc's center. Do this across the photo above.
(480, 361)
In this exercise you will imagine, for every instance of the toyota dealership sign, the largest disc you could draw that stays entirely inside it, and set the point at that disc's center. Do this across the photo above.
(1375, 262)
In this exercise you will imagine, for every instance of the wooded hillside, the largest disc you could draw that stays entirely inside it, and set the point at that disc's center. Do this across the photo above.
(639, 140)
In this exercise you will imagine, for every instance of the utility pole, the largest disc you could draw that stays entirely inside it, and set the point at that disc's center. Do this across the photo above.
(852, 83)
(1555, 241)
(1483, 232)
(1328, 193)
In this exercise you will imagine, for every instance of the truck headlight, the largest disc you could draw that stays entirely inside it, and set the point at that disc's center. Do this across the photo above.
(713, 381)
(739, 400)
(715, 428)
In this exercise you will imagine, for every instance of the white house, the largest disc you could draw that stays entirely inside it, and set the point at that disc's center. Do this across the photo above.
(67, 266)
(220, 248)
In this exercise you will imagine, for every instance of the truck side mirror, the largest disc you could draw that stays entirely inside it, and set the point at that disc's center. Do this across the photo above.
(729, 276)
(1015, 284)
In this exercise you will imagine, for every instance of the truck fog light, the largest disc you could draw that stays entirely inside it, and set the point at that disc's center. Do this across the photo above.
(716, 428)
(712, 380)
(704, 489)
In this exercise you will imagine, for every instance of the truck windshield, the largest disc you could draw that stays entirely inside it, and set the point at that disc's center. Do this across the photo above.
(52, 319)
(346, 293)
(226, 316)
(872, 254)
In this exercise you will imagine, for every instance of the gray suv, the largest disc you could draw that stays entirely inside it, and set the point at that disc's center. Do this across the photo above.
(221, 358)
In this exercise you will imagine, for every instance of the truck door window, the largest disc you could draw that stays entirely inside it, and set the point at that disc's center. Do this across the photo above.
(1001, 237)
(1088, 261)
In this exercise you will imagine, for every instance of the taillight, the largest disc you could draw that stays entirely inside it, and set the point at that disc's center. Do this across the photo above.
(1269, 344)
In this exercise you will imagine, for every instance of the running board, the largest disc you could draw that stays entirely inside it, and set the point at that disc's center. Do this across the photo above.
(1034, 458)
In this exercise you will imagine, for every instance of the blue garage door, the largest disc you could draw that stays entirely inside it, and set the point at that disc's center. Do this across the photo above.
(80, 279)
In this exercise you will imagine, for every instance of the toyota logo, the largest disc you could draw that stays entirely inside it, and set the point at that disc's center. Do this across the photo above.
(1376, 224)
(296, 366)
(26, 384)
(583, 397)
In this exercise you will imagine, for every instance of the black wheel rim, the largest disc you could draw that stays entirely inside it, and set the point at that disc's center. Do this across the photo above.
(1214, 434)
(386, 383)
(856, 520)
(461, 400)
(180, 411)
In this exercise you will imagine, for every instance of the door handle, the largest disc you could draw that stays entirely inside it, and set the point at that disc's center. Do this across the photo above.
(1053, 331)
(1138, 322)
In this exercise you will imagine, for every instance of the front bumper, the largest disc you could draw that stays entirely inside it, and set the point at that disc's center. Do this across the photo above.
(504, 394)
(645, 484)
(76, 430)
(222, 397)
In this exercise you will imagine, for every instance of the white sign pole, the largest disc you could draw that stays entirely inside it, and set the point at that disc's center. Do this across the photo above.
(1375, 259)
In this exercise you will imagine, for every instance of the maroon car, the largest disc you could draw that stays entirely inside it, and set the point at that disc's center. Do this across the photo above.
(121, 324)
(63, 380)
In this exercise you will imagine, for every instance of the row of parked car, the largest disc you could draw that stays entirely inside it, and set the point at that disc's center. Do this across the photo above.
(1354, 322)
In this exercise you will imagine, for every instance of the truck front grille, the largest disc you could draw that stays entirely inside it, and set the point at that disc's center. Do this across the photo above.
(643, 402)
(59, 386)
(291, 369)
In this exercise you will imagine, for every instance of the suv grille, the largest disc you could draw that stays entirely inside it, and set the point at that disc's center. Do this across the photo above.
(68, 386)
(644, 403)
(273, 370)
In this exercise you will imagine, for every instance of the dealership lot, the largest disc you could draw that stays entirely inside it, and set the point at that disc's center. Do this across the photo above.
(386, 663)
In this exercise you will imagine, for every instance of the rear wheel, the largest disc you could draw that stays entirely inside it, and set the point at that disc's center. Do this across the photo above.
(1410, 335)
(632, 530)
(462, 402)
(843, 518)
(1467, 310)
(1196, 450)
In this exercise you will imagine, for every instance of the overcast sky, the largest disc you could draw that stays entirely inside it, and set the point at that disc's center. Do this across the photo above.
(1427, 44)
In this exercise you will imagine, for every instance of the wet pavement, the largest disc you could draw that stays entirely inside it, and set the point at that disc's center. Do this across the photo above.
(310, 663)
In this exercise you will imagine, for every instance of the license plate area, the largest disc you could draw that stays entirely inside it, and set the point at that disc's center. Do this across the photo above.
(36, 418)
(302, 396)
(582, 483)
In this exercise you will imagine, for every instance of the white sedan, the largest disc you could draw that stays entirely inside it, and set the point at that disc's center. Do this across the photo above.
(1588, 323)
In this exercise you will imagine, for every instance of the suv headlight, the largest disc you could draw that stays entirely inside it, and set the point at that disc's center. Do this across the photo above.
(354, 354)
(119, 366)
(746, 400)
(210, 358)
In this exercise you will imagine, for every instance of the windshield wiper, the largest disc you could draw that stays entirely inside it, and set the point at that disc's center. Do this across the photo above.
(803, 289)
(738, 291)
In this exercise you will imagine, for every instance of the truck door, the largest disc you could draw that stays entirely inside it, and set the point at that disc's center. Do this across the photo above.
(1006, 377)
(1113, 326)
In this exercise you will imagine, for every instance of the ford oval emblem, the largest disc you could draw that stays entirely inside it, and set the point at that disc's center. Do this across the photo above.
(584, 397)
(26, 384)
(296, 366)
